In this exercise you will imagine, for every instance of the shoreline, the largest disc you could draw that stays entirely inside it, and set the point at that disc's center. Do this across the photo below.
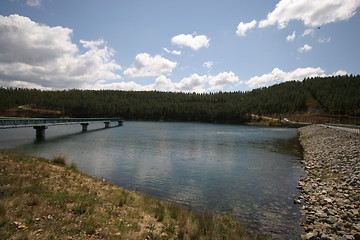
(330, 191)
(42, 199)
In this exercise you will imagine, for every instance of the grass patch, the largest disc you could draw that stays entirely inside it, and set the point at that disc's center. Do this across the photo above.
(59, 160)
(51, 202)
(72, 167)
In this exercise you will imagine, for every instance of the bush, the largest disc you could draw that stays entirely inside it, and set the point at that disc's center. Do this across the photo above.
(58, 160)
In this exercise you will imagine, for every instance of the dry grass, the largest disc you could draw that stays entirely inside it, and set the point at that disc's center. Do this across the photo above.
(43, 200)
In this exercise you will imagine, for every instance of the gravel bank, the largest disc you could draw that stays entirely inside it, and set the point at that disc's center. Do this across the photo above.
(330, 192)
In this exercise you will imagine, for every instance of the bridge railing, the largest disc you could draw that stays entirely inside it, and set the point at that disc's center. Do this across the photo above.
(31, 122)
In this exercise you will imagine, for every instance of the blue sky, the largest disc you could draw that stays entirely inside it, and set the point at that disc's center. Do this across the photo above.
(178, 45)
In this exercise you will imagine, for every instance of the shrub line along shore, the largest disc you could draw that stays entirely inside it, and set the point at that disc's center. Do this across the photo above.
(330, 192)
(42, 199)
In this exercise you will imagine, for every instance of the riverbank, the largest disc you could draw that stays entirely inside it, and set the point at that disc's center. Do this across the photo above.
(42, 199)
(331, 190)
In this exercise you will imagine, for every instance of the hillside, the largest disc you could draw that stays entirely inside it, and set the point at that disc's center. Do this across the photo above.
(320, 99)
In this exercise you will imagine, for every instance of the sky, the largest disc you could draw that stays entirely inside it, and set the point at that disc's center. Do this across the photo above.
(175, 45)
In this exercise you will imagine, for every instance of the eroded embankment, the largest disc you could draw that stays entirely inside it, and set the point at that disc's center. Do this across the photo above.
(331, 190)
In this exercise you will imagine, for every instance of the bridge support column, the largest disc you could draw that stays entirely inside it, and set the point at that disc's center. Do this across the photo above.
(107, 124)
(40, 131)
(120, 122)
(84, 126)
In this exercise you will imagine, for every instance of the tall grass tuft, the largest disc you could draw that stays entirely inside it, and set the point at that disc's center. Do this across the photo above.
(59, 160)
(159, 212)
(2, 210)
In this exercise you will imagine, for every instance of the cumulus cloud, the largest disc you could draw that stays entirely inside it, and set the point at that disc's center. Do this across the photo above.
(312, 12)
(221, 80)
(162, 83)
(340, 73)
(278, 76)
(126, 86)
(172, 52)
(147, 66)
(305, 48)
(291, 37)
(242, 28)
(45, 57)
(189, 40)
(194, 83)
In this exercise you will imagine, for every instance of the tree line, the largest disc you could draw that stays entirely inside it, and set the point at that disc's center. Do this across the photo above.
(338, 95)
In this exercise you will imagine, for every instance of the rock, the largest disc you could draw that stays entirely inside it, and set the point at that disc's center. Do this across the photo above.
(324, 237)
(348, 237)
(310, 236)
(357, 236)
(348, 225)
(331, 220)
(297, 201)
(355, 211)
(22, 227)
(338, 226)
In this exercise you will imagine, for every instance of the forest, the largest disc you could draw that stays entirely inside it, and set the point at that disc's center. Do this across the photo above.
(337, 95)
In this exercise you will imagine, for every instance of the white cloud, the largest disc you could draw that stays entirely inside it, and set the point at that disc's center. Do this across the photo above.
(162, 84)
(147, 66)
(219, 81)
(340, 73)
(33, 3)
(291, 37)
(42, 56)
(278, 76)
(305, 48)
(194, 83)
(172, 52)
(312, 12)
(188, 40)
(309, 31)
(208, 64)
(324, 40)
(242, 28)
(127, 86)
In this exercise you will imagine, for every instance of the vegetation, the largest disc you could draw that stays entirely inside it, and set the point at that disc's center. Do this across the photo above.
(334, 95)
(43, 200)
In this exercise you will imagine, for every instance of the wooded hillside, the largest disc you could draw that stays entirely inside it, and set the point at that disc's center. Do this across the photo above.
(332, 95)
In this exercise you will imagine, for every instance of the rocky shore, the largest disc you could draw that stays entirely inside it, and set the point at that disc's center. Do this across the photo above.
(330, 192)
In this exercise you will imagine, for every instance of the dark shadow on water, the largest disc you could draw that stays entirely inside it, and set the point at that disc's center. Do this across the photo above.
(42, 140)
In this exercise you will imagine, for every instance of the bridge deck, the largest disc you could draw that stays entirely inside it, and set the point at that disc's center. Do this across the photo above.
(34, 122)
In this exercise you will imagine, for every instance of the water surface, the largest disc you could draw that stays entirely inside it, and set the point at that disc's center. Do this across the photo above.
(249, 172)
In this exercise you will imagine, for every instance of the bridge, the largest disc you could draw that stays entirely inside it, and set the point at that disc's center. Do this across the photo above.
(40, 124)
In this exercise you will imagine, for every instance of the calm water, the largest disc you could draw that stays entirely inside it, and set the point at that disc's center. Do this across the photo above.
(250, 172)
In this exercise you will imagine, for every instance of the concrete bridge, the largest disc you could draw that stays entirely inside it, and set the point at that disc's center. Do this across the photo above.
(40, 124)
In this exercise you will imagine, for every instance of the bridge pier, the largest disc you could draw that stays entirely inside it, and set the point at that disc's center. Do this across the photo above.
(107, 124)
(84, 126)
(40, 131)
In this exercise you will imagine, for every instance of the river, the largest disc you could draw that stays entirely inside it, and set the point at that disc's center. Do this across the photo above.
(248, 172)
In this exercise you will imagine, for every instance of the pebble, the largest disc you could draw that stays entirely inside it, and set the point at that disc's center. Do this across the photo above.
(331, 188)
